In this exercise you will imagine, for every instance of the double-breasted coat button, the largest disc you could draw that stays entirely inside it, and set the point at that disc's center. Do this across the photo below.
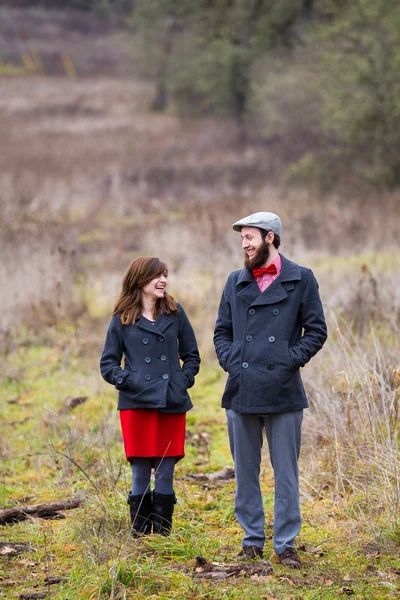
(276, 311)
(147, 377)
(251, 311)
(119, 380)
(147, 359)
(163, 357)
(145, 341)
(245, 365)
(271, 339)
(270, 366)
(249, 338)
(161, 338)
(165, 376)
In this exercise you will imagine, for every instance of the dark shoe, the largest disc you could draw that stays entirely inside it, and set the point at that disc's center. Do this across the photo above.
(163, 508)
(140, 509)
(249, 552)
(290, 558)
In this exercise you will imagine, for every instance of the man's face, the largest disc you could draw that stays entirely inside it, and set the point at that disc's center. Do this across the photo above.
(256, 250)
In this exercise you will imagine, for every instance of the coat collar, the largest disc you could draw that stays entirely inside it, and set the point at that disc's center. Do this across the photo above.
(249, 290)
(161, 324)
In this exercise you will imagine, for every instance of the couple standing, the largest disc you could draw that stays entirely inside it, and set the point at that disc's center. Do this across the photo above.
(270, 323)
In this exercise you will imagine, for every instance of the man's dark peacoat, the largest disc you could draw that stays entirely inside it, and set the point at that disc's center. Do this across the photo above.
(262, 339)
(152, 376)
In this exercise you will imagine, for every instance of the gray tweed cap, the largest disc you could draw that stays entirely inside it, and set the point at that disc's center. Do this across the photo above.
(265, 220)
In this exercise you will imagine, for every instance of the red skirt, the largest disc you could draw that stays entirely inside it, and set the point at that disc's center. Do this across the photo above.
(152, 434)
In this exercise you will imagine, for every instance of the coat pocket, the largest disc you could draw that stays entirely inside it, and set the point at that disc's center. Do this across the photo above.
(122, 382)
(233, 358)
(232, 388)
(177, 390)
(183, 378)
(283, 357)
(294, 367)
(133, 380)
(278, 362)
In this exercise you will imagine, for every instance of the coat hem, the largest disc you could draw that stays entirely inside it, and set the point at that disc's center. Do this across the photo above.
(266, 410)
(174, 410)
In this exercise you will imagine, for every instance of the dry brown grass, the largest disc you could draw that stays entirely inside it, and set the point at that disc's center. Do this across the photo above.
(88, 166)
(351, 432)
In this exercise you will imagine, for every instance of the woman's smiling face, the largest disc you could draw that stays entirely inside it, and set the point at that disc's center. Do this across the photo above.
(155, 288)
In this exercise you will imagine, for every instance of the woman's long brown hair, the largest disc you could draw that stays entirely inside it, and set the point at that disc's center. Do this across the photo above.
(140, 272)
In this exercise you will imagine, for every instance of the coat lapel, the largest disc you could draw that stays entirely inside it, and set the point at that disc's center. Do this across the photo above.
(145, 324)
(161, 324)
(246, 286)
(276, 292)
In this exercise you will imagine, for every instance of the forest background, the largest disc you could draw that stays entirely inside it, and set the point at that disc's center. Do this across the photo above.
(134, 127)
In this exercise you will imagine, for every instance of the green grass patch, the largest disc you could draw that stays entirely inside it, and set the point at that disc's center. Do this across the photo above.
(346, 546)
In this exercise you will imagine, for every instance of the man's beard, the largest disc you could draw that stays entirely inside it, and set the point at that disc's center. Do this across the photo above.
(260, 258)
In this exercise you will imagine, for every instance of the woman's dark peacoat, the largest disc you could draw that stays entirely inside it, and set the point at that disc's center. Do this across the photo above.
(152, 376)
(262, 339)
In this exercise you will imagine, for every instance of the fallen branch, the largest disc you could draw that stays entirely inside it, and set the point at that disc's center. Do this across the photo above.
(42, 511)
(12, 548)
(225, 474)
(71, 402)
(205, 569)
(54, 580)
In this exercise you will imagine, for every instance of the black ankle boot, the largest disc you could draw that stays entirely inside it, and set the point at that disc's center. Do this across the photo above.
(163, 508)
(140, 508)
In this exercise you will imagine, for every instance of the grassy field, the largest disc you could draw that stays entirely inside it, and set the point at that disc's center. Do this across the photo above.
(90, 179)
(349, 541)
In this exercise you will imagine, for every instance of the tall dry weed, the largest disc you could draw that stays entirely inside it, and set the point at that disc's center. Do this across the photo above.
(37, 273)
(352, 431)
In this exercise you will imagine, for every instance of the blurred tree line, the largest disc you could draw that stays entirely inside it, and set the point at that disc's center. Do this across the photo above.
(324, 74)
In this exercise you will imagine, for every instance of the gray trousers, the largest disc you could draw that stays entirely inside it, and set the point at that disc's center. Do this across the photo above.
(283, 432)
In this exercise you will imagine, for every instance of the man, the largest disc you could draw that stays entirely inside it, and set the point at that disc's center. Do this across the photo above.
(270, 323)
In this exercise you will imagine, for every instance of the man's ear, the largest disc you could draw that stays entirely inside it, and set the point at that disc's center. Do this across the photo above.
(270, 237)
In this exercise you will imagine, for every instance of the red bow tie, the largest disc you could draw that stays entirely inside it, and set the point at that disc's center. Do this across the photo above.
(271, 269)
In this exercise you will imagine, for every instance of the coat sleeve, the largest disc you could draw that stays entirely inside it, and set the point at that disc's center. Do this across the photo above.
(188, 350)
(223, 332)
(313, 324)
(110, 362)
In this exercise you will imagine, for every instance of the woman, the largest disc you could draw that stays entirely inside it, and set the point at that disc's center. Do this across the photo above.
(153, 334)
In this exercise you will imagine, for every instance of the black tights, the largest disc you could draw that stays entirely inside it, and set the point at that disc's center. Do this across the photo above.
(163, 475)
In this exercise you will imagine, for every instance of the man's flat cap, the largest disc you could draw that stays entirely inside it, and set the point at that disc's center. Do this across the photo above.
(264, 220)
